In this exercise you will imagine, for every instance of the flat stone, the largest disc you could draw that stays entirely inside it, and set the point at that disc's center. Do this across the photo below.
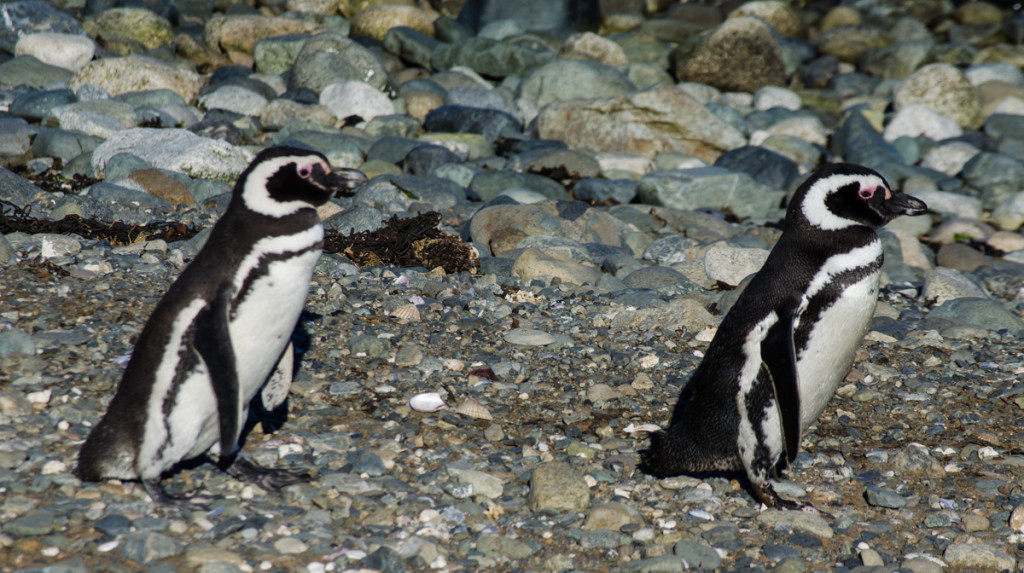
(556, 487)
(137, 73)
(798, 520)
(880, 497)
(528, 337)
(176, 150)
(978, 555)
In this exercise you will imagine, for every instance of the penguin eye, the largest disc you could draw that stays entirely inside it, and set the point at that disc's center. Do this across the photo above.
(306, 170)
(867, 193)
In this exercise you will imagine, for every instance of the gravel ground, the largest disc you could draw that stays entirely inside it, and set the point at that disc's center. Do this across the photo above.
(916, 461)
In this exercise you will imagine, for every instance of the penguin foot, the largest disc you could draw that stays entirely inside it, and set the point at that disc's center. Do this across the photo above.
(267, 478)
(187, 501)
(768, 496)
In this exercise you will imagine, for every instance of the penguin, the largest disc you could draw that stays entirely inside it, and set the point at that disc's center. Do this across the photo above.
(783, 348)
(222, 332)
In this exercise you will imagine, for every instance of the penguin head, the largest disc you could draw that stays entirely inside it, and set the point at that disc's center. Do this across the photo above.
(283, 180)
(842, 195)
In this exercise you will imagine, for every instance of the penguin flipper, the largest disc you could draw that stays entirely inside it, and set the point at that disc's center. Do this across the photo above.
(778, 353)
(213, 343)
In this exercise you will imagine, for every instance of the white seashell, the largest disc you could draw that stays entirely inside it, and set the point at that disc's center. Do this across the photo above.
(632, 429)
(453, 364)
(406, 311)
(426, 402)
(649, 361)
(472, 408)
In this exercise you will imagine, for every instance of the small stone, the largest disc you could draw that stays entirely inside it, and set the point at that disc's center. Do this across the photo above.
(35, 524)
(813, 524)
(1016, 521)
(697, 556)
(975, 522)
(501, 546)
(978, 556)
(611, 516)
(290, 546)
(483, 483)
(557, 487)
(148, 546)
(880, 497)
(528, 337)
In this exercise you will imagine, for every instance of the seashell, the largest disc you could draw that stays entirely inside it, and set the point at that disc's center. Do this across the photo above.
(426, 402)
(472, 408)
(406, 311)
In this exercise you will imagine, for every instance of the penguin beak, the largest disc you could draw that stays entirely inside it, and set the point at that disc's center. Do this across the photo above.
(903, 204)
(345, 180)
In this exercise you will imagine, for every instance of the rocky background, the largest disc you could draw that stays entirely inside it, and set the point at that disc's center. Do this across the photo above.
(619, 167)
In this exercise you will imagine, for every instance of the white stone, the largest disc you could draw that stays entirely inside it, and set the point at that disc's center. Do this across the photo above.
(916, 119)
(950, 203)
(807, 128)
(100, 118)
(949, 158)
(1001, 71)
(773, 96)
(176, 150)
(356, 98)
(628, 162)
(426, 402)
(235, 98)
(942, 284)
(68, 51)
(1009, 215)
(52, 245)
(702, 92)
(729, 264)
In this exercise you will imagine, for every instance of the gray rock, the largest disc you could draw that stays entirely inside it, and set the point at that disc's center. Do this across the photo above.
(978, 556)
(356, 98)
(460, 119)
(1009, 215)
(564, 79)
(662, 118)
(28, 71)
(556, 487)
(603, 191)
(330, 58)
(235, 98)
(662, 564)
(765, 166)
(385, 560)
(528, 337)
(17, 136)
(483, 483)
(489, 58)
(122, 165)
(880, 497)
(16, 340)
(7, 252)
(560, 17)
(424, 159)
(730, 265)
(943, 88)
(611, 516)
(800, 521)
(942, 285)
(897, 60)
(176, 150)
(984, 313)
(34, 524)
(947, 203)
(136, 73)
(532, 263)
(123, 195)
(411, 45)
(602, 539)
(506, 547)
(21, 18)
(713, 187)
(740, 55)
(62, 144)
(653, 277)
(356, 220)
(369, 345)
(490, 184)
(366, 462)
(34, 105)
(278, 54)
(147, 546)
(99, 118)
(479, 98)
(697, 556)
(673, 249)
(15, 188)
(858, 142)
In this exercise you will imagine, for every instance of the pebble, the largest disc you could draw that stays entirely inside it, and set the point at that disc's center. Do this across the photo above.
(557, 487)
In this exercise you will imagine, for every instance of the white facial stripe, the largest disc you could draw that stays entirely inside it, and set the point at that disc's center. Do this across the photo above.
(818, 213)
(837, 264)
(155, 432)
(256, 195)
(277, 245)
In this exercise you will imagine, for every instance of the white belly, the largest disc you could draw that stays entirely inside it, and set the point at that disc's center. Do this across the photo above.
(263, 323)
(832, 346)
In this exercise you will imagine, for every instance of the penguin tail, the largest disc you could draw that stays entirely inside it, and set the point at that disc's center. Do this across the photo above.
(673, 452)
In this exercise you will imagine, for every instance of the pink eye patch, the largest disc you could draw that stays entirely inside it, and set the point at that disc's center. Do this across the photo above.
(869, 193)
(306, 170)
